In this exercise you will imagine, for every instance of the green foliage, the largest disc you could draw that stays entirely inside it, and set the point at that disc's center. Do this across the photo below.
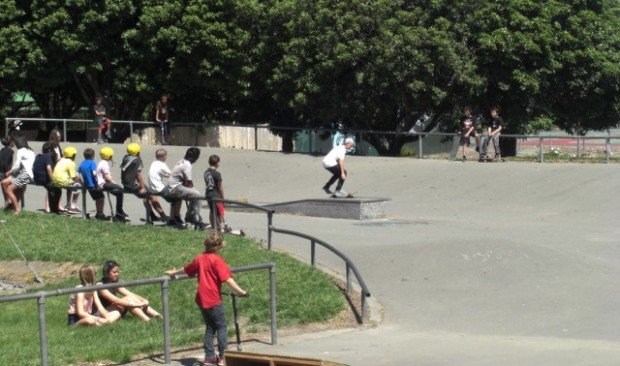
(377, 64)
(304, 294)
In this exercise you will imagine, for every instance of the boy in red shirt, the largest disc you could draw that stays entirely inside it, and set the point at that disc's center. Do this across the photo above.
(211, 271)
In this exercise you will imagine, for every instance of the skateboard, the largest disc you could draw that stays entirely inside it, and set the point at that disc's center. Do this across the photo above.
(349, 195)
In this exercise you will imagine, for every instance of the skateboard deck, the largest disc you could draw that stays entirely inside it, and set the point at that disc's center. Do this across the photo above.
(349, 195)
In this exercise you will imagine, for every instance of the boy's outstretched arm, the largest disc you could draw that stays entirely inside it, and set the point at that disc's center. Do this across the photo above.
(240, 292)
(175, 272)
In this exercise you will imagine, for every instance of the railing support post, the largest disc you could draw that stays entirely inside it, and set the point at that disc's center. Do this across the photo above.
(362, 307)
(607, 147)
(541, 157)
(84, 212)
(255, 136)
(269, 230)
(419, 146)
(348, 276)
(6, 126)
(578, 147)
(64, 130)
(42, 329)
(166, 320)
(130, 130)
(313, 253)
(273, 305)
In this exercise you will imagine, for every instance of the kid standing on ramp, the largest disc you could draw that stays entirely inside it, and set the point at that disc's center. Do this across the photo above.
(213, 182)
(334, 163)
(211, 270)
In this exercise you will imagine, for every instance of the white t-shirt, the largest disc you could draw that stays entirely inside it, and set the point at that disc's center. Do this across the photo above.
(332, 158)
(157, 172)
(103, 168)
(24, 160)
(181, 173)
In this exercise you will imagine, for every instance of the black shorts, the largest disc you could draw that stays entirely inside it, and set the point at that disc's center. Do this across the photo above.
(72, 319)
(96, 194)
(465, 141)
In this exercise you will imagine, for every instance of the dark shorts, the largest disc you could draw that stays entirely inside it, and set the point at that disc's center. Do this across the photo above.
(465, 140)
(72, 319)
(96, 194)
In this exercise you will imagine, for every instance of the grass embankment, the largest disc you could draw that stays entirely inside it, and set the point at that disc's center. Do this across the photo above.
(305, 295)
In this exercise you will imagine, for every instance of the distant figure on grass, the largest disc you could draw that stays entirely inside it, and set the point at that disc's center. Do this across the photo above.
(157, 172)
(122, 300)
(182, 188)
(102, 120)
(334, 163)
(215, 189)
(107, 184)
(20, 175)
(65, 176)
(6, 162)
(162, 118)
(131, 175)
(88, 172)
(43, 170)
(212, 271)
(81, 310)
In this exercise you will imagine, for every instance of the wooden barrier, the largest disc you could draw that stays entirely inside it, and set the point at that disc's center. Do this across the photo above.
(234, 358)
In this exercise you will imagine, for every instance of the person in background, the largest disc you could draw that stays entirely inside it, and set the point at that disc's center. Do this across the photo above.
(131, 176)
(85, 308)
(333, 162)
(162, 117)
(102, 120)
(494, 130)
(122, 300)
(106, 183)
(42, 171)
(182, 188)
(20, 175)
(212, 271)
(57, 153)
(6, 161)
(88, 171)
(65, 176)
(157, 172)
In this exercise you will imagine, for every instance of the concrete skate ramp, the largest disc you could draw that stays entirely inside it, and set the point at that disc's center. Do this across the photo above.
(344, 208)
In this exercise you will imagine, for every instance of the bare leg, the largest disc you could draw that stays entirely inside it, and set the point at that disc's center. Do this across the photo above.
(10, 191)
(156, 205)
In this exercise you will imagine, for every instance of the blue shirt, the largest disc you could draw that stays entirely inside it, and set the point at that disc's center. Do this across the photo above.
(88, 169)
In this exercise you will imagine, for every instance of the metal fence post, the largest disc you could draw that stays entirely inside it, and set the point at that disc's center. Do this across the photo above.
(578, 147)
(166, 315)
(419, 146)
(607, 147)
(541, 157)
(348, 275)
(130, 130)
(255, 136)
(6, 126)
(273, 305)
(64, 130)
(312, 253)
(269, 231)
(42, 329)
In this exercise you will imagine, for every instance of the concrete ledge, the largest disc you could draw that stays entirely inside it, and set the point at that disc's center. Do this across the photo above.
(335, 208)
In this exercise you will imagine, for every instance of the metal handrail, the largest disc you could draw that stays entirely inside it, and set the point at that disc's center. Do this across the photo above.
(164, 281)
(350, 266)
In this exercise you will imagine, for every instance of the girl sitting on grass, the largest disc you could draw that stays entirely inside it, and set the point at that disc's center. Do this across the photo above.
(81, 310)
(122, 300)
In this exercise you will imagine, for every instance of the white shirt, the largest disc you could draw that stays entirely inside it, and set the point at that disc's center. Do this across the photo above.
(103, 168)
(157, 172)
(332, 158)
(24, 160)
(181, 173)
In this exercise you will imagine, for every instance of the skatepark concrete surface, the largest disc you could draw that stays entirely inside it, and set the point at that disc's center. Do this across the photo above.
(476, 264)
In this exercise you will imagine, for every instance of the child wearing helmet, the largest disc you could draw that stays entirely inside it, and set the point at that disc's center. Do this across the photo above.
(65, 176)
(106, 183)
(131, 175)
(20, 175)
(182, 187)
(334, 163)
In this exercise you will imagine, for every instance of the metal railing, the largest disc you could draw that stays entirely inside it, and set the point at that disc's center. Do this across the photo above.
(349, 266)
(41, 297)
(360, 133)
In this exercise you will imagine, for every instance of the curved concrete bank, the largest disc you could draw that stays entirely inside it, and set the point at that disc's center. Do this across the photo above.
(478, 264)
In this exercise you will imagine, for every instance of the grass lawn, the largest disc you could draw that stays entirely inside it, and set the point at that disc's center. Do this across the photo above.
(304, 294)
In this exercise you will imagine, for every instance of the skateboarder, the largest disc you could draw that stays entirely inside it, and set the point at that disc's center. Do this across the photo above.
(102, 120)
(494, 130)
(334, 163)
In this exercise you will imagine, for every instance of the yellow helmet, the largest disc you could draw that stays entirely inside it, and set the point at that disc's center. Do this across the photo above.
(106, 153)
(133, 149)
(69, 152)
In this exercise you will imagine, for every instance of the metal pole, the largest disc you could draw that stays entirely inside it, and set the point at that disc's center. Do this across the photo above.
(84, 214)
(310, 142)
(166, 315)
(420, 147)
(348, 274)
(607, 147)
(130, 130)
(269, 231)
(255, 136)
(64, 130)
(541, 157)
(272, 305)
(312, 253)
(42, 332)
(363, 307)
(6, 126)
(578, 147)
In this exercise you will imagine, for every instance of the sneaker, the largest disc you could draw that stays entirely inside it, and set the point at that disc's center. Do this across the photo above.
(100, 216)
(220, 361)
(340, 193)
(164, 218)
(189, 219)
(227, 229)
(75, 209)
(99, 141)
(241, 232)
(464, 158)
(122, 213)
(326, 190)
(70, 210)
(200, 226)
(211, 361)
(154, 218)
(477, 149)
(108, 134)
(120, 218)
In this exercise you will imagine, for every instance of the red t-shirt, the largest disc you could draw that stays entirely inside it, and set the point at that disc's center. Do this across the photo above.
(212, 271)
